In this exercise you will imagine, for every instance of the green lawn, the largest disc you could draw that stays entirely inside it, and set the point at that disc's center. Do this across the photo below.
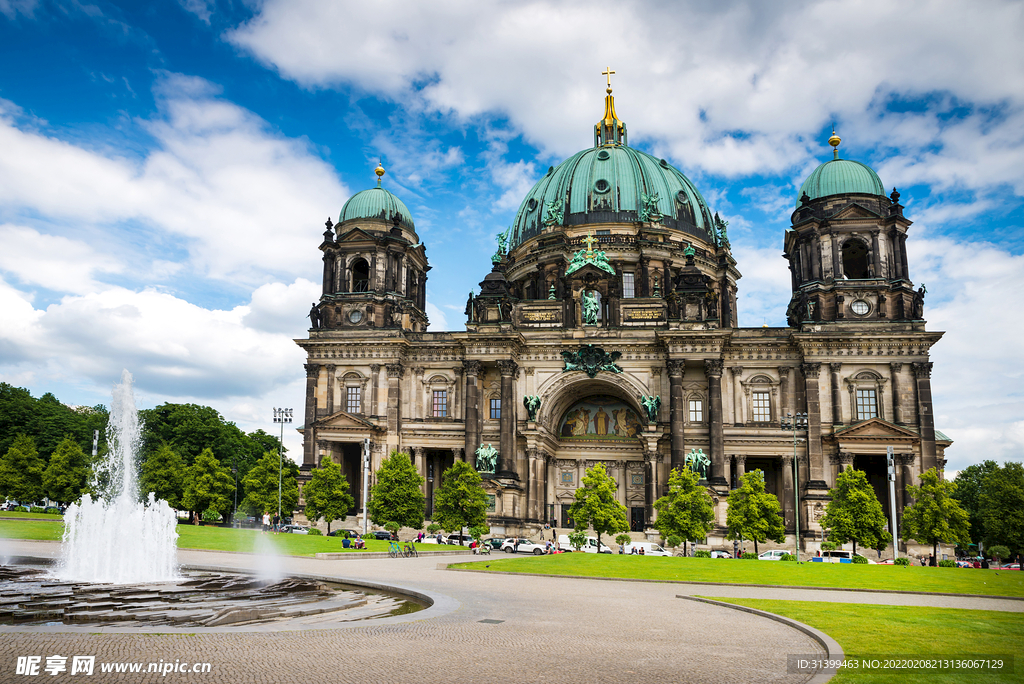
(211, 538)
(864, 630)
(842, 575)
(40, 516)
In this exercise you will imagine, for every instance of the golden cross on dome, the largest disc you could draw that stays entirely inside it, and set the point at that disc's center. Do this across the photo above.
(590, 243)
(608, 72)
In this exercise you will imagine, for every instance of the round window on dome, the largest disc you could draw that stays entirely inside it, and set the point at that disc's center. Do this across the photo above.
(603, 155)
(532, 204)
(860, 307)
(664, 164)
(682, 198)
(602, 186)
(355, 316)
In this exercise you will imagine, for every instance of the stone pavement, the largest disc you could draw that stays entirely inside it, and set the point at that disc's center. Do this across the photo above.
(538, 629)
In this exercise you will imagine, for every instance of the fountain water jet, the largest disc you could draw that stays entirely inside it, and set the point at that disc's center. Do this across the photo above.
(116, 538)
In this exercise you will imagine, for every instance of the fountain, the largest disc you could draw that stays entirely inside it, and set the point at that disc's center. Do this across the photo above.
(116, 538)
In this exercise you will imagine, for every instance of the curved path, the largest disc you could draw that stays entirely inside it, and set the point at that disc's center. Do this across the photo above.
(485, 628)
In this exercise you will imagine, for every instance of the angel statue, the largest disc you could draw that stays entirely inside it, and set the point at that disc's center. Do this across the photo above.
(532, 404)
(651, 405)
(486, 458)
(591, 308)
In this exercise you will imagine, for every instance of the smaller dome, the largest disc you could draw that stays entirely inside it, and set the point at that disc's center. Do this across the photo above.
(840, 177)
(376, 203)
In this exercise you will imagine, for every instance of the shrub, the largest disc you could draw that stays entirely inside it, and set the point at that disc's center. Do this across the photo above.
(702, 553)
(433, 528)
(479, 531)
(210, 515)
(315, 532)
(578, 539)
(21, 509)
(53, 510)
(623, 539)
(828, 546)
(999, 552)
(901, 561)
(37, 509)
(748, 556)
(673, 541)
(392, 527)
(860, 560)
(788, 557)
(946, 563)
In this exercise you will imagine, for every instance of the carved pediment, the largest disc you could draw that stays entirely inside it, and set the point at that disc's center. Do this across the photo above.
(342, 420)
(876, 429)
(853, 211)
(355, 235)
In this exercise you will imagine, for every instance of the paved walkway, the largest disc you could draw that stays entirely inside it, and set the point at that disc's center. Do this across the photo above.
(537, 629)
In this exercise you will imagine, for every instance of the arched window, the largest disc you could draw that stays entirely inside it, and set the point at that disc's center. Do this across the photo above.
(855, 259)
(360, 275)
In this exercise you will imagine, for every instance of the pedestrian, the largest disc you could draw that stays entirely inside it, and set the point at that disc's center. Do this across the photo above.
(277, 523)
(984, 563)
(931, 561)
(266, 522)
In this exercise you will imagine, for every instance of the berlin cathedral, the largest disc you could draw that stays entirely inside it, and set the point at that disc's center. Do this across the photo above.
(605, 330)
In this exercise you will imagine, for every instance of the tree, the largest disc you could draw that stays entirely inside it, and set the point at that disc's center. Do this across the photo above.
(1002, 506)
(21, 471)
(398, 493)
(754, 513)
(969, 482)
(67, 475)
(686, 511)
(261, 485)
(460, 501)
(854, 513)
(327, 494)
(595, 505)
(163, 473)
(935, 516)
(208, 485)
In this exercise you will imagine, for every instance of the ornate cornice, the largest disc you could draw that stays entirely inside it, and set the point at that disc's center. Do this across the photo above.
(508, 367)
(675, 368)
(922, 369)
(312, 370)
(395, 370)
(713, 368)
(810, 370)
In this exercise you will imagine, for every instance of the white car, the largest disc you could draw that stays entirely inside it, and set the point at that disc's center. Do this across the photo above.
(721, 554)
(589, 546)
(774, 554)
(524, 546)
(649, 549)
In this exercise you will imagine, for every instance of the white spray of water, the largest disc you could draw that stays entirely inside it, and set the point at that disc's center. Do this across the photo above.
(268, 559)
(115, 538)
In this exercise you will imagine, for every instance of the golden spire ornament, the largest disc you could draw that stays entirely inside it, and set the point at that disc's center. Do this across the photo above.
(834, 142)
(380, 172)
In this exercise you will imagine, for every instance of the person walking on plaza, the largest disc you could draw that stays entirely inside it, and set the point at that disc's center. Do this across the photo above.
(266, 522)
(277, 523)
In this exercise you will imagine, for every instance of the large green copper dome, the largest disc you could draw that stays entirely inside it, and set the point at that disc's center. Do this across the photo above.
(376, 203)
(607, 184)
(840, 177)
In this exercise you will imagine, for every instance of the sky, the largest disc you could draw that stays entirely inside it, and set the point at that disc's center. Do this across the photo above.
(166, 168)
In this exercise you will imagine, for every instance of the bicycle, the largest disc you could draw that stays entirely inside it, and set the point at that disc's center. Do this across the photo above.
(394, 549)
(410, 551)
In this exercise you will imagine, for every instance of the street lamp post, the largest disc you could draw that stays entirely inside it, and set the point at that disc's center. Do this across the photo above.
(282, 416)
(795, 424)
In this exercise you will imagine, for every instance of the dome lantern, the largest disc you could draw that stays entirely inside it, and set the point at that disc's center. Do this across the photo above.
(610, 130)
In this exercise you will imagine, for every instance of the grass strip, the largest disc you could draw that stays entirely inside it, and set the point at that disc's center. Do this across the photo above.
(909, 632)
(823, 575)
(39, 516)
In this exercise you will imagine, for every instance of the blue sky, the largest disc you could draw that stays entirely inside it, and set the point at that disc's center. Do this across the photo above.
(166, 167)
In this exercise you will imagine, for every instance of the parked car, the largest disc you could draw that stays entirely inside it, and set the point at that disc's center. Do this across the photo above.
(494, 542)
(589, 545)
(458, 539)
(649, 549)
(1011, 566)
(294, 529)
(524, 546)
(721, 554)
(383, 535)
(774, 554)
(839, 556)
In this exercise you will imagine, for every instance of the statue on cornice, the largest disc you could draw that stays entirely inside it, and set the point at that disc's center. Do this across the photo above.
(486, 458)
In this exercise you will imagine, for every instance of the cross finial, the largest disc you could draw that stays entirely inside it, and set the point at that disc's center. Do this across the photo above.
(590, 244)
(608, 73)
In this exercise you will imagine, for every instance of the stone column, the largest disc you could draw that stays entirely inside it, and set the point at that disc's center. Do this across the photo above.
(897, 259)
(473, 370)
(816, 468)
(549, 488)
(421, 467)
(416, 407)
(530, 513)
(737, 396)
(785, 392)
(816, 272)
(456, 454)
(374, 383)
(621, 480)
(925, 419)
(506, 456)
(581, 470)
(897, 405)
(837, 257)
(651, 494)
(328, 286)
(713, 371)
(675, 375)
(455, 411)
(330, 388)
(903, 255)
(876, 257)
(837, 396)
(394, 415)
(741, 467)
(308, 441)
(788, 492)
(341, 277)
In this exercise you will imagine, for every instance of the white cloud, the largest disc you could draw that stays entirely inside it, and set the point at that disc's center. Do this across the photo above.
(438, 320)
(53, 262)
(737, 93)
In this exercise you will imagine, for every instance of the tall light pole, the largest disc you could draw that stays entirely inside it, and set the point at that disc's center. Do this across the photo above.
(282, 416)
(795, 424)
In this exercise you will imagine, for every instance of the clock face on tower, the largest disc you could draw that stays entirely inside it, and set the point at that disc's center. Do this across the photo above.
(860, 307)
(355, 316)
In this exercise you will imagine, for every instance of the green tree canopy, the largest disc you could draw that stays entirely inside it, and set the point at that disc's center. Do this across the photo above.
(595, 505)
(753, 512)
(261, 486)
(969, 482)
(935, 516)
(21, 471)
(854, 513)
(163, 473)
(397, 494)
(208, 485)
(460, 501)
(327, 494)
(687, 510)
(67, 475)
(1002, 506)
(47, 421)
